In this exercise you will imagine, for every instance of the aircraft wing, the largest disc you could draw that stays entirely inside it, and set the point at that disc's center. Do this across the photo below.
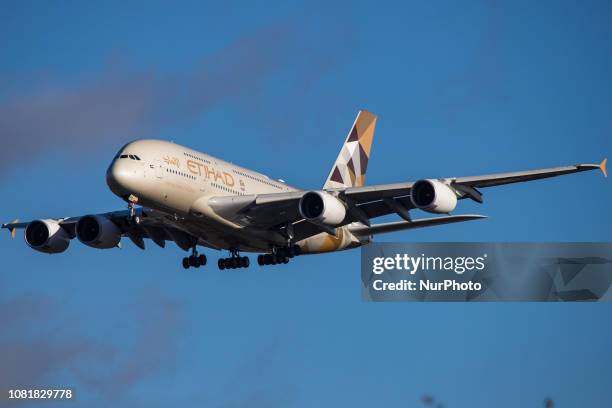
(376, 192)
(275, 211)
(152, 224)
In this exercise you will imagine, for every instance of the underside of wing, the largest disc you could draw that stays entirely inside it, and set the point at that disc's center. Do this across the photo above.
(262, 211)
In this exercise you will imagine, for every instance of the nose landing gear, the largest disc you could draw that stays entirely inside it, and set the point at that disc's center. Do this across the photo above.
(133, 217)
(194, 260)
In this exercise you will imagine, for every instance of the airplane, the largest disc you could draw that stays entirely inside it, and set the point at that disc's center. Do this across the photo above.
(174, 193)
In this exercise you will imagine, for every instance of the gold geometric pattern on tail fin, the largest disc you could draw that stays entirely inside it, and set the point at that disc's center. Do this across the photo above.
(350, 167)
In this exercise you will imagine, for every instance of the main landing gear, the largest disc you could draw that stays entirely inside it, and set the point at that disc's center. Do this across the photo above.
(279, 255)
(233, 262)
(194, 260)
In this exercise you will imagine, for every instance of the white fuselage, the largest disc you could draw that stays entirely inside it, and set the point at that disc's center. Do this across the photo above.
(179, 182)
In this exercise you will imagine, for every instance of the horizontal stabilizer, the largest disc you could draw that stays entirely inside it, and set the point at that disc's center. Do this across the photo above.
(404, 225)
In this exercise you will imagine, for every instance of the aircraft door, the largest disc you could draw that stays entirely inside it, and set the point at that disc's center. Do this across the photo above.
(159, 169)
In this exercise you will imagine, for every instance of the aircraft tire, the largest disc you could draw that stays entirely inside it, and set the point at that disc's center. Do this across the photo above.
(245, 262)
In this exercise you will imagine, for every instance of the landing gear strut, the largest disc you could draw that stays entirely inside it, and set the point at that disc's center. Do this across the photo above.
(133, 218)
(194, 259)
(233, 262)
(279, 255)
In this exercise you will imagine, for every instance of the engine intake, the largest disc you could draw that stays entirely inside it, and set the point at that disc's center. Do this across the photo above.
(322, 207)
(46, 236)
(98, 232)
(433, 196)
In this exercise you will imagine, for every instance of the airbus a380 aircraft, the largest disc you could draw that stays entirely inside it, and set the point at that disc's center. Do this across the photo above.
(178, 194)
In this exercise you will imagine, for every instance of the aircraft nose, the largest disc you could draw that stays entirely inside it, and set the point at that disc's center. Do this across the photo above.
(119, 177)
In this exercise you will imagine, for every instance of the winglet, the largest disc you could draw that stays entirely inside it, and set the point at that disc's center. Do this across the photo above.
(12, 230)
(602, 167)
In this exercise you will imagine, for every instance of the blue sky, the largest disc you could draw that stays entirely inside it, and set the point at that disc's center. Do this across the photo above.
(460, 89)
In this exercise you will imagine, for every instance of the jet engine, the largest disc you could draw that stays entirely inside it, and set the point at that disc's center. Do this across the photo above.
(98, 232)
(322, 207)
(46, 236)
(433, 196)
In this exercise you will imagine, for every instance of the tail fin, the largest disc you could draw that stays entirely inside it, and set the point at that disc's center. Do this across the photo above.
(350, 167)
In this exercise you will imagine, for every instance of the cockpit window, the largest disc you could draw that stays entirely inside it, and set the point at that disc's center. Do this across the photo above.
(127, 156)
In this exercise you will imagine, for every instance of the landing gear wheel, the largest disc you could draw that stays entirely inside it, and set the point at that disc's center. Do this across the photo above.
(194, 260)
(260, 260)
(244, 262)
(221, 264)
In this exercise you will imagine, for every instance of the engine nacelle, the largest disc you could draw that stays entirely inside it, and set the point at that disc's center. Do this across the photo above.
(322, 207)
(98, 232)
(46, 236)
(433, 196)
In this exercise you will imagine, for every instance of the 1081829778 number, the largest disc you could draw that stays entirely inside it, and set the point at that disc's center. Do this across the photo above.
(65, 393)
